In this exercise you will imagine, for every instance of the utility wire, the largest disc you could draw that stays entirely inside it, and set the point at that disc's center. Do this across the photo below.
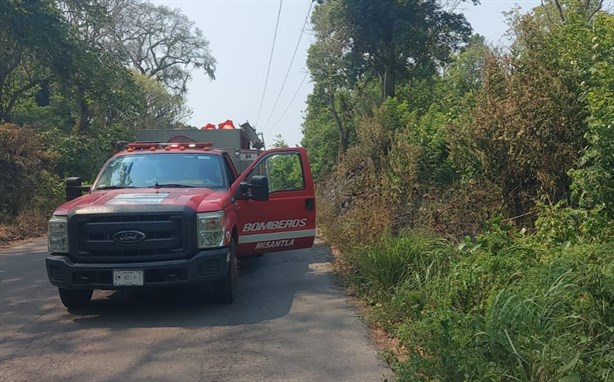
(268, 71)
(292, 100)
(289, 66)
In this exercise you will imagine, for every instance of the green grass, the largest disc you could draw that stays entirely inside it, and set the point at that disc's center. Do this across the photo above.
(503, 307)
(411, 258)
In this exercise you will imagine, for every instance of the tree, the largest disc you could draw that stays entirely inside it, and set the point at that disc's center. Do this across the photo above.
(162, 109)
(154, 41)
(329, 68)
(557, 11)
(36, 43)
(401, 39)
(158, 42)
(320, 136)
(279, 143)
(45, 53)
(362, 42)
(284, 170)
(465, 72)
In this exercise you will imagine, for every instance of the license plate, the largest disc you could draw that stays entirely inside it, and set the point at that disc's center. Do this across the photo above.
(127, 278)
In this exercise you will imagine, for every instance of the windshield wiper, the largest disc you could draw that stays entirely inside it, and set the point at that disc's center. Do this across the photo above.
(113, 187)
(171, 185)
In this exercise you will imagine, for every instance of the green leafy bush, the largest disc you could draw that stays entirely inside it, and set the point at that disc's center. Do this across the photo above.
(594, 180)
(83, 155)
(561, 224)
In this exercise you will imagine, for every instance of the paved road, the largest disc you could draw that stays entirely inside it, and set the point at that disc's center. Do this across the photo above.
(291, 323)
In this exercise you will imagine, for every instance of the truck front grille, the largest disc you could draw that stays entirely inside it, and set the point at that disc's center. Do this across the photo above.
(164, 237)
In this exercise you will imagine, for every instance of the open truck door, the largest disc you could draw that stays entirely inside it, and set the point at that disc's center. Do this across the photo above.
(275, 203)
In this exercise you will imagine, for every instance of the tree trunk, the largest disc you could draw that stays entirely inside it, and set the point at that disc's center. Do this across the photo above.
(344, 136)
(82, 122)
(389, 70)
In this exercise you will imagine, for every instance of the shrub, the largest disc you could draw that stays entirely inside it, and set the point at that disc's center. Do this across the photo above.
(76, 155)
(593, 181)
(26, 173)
(560, 224)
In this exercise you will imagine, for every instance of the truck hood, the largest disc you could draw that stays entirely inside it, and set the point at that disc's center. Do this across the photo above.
(199, 199)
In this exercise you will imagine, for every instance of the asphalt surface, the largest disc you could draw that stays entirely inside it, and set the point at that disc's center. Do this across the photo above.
(291, 323)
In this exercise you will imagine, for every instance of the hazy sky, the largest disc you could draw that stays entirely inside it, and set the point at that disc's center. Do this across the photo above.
(240, 33)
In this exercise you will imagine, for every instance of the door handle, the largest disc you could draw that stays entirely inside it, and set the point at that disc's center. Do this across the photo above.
(309, 203)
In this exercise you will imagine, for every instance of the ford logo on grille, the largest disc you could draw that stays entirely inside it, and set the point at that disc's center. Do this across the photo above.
(128, 237)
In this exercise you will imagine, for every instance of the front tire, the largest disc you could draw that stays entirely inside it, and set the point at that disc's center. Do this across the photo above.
(75, 298)
(225, 289)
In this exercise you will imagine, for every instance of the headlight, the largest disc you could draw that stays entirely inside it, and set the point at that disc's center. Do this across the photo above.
(210, 229)
(58, 234)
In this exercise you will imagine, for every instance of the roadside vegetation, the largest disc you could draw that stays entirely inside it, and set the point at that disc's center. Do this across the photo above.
(76, 77)
(468, 189)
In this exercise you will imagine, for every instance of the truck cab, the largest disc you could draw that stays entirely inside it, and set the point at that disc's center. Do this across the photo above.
(177, 213)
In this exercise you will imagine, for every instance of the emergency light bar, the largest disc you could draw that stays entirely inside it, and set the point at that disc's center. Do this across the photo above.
(153, 146)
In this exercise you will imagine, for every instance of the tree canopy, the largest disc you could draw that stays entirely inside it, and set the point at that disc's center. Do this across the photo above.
(386, 42)
(157, 41)
(77, 59)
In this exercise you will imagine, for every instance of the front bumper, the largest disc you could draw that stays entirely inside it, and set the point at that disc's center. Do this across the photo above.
(205, 266)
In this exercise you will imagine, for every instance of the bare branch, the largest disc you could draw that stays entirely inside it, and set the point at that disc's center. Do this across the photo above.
(17, 94)
(596, 10)
(560, 9)
(547, 11)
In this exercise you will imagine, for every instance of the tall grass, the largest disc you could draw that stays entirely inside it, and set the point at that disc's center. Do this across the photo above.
(501, 307)
(552, 321)
(531, 335)
(411, 258)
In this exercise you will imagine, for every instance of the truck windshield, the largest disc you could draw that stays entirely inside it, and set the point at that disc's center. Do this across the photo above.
(163, 170)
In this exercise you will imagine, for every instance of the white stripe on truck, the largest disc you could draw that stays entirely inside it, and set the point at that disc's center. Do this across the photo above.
(245, 239)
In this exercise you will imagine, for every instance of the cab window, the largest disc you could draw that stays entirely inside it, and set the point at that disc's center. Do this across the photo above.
(228, 168)
(283, 170)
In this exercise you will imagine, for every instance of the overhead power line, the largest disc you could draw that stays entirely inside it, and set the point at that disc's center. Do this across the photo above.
(289, 66)
(292, 100)
(268, 71)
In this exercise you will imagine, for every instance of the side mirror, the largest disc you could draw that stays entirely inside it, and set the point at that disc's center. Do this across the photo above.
(258, 189)
(74, 189)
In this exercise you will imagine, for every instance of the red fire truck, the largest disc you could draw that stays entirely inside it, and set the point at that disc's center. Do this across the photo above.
(177, 213)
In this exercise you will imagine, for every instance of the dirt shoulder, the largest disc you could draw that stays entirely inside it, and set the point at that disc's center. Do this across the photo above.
(13, 234)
